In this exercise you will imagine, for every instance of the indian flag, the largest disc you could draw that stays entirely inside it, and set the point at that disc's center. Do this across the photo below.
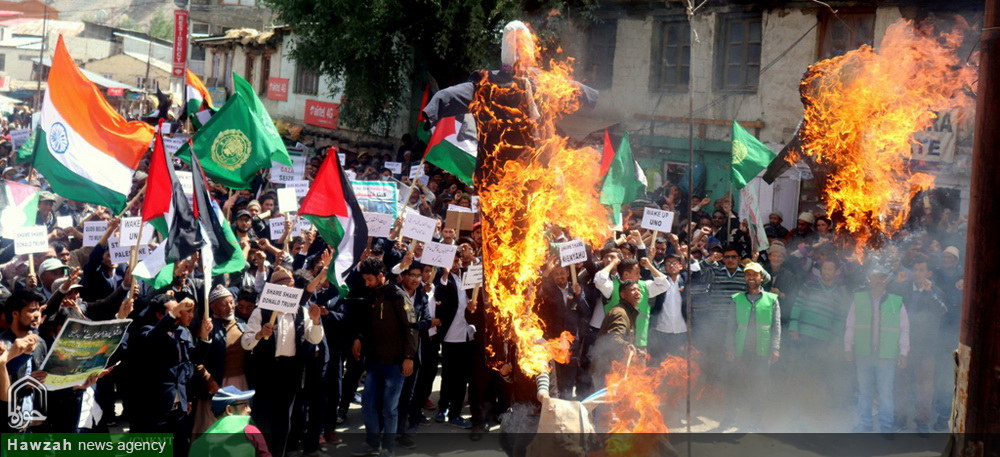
(199, 102)
(453, 147)
(20, 206)
(332, 208)
(85, 149)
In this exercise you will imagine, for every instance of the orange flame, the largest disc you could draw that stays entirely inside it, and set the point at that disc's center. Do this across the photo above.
(861, 112)
(637, 393)
(528, 176)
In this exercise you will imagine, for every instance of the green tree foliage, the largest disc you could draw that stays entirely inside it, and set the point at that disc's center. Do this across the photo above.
(376, 49)
(161, 26)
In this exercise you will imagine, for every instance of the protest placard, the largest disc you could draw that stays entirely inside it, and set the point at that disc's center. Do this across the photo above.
(414, 172)
(130, 230)
(438, 254)
(459, 218)
(473, 277)
(302, 226)
(93, 231)
(395, 167)
(173, 143)
(64, 221)
(277, 225)
(572, 252)
(342, 157)
(288, 200)
(81, 349)
(30, 240)
(282, 299)
(301, 187)
(376, 196)
(657, 220)
(379, 225)
(475, 203)
(283, 173)
(418, 227)
(18, 137)
(187, 182)
(121, 253)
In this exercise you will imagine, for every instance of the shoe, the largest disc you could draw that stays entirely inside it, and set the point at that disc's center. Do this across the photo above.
(331, 438)
(365, 450)
(429, 404)
(406, 441)
(441, 416)
(460, 422)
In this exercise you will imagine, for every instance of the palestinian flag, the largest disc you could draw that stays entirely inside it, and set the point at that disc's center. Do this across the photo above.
(85, 149)
(608, 155)
(187, 227)
(453, 148)
(19, 203)
(423, 126)
(624, 182)
(198, 106)
(332, 208)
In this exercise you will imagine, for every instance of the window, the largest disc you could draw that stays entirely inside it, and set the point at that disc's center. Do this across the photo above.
(265, 71)
(3, 62)
(306, 81)
(671, 61)
(197, 53)
(738, 53)
(845, 32)
(601, 53)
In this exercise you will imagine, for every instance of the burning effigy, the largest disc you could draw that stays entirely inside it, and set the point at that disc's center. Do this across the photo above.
(861, 111)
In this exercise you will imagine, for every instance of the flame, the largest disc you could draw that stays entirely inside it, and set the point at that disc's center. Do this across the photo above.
(527, 177)
(861, 112)
(637, 392)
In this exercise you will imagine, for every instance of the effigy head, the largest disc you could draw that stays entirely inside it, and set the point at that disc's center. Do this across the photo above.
(518, 49)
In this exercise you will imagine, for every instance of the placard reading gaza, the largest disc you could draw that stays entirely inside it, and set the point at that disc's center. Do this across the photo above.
(572, 252)
(439, 254)
(658, 220)
(280, 298)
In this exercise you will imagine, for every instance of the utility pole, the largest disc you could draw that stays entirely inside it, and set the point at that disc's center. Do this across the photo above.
(41, 56)
(976, 405)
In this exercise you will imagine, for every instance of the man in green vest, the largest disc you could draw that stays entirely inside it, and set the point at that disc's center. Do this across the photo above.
(753, 341)
(877, 339)
(232, 435)
(628, 269)
(616, 339)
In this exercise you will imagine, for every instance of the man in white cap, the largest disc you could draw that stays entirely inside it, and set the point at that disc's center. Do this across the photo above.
(754, 342)
(48, 272)
(233, 434)
(803, 232)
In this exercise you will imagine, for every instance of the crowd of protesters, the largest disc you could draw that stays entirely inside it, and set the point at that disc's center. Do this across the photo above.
(879, 330)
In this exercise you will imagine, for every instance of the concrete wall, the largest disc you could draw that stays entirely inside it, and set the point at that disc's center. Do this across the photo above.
(17, 63)
(125, 69)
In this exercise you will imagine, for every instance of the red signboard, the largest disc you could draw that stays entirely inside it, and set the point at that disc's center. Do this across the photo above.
(277, 89)
(322, 114)
(116, 92)
(180, 43)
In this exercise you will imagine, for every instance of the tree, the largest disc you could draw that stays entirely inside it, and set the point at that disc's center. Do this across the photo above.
(376, 49)
(161, 26)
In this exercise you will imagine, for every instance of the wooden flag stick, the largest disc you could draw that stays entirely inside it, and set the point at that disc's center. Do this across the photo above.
(274, 317)
(572, 273)
(134, 199)
(134, 254)
(31, 265)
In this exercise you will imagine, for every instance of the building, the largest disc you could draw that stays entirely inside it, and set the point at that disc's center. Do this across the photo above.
(737, 61)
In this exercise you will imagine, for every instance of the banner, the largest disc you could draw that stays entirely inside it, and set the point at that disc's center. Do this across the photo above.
(82, 349)
(749, 202)
(937, 143)
(376, 196)
(180, 43)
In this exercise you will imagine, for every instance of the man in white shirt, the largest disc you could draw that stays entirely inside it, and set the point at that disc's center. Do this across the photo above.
(278, 365)
(669, 333)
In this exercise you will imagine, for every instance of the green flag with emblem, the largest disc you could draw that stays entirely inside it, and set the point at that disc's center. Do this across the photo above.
(271, 137)
(749, 157)
(233, 145)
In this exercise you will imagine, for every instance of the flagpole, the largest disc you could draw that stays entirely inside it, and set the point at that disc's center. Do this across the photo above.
(134, 199)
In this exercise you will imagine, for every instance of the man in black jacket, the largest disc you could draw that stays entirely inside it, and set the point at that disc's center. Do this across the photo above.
(390, 346)
(170, 354)
(563, 309)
